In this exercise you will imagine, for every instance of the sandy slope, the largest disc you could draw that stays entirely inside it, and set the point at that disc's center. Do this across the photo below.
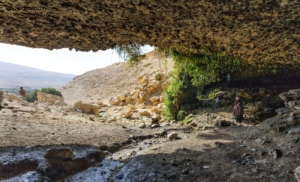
(102, 84)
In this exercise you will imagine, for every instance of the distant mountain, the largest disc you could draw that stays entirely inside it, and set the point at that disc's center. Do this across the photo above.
(13, 75)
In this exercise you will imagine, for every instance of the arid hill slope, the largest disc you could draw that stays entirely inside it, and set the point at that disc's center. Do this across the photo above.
(103, 84)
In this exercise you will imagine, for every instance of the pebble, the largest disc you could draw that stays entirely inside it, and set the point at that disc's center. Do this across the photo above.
(276, 153)
(172, 136)
(119, 176)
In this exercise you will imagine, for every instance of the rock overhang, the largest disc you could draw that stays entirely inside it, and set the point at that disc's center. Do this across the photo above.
(256, 31)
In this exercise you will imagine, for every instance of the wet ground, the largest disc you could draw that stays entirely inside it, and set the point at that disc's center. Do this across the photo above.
(94, 150)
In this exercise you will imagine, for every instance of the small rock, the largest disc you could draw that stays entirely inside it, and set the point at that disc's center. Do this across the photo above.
(261, 141)
(297, 173)
(154, 126)
(245, 159)
(205, 167)
(294, 131)
(119, 176)
(283, 110)
(295, 139)
(59, 154)
(185, 171)
(164, 124)
(112, 119)
(276, 153)
(142, 125)
(154, 120)
(174, 163)
(193, 124)
(224, 123)
(172, 136)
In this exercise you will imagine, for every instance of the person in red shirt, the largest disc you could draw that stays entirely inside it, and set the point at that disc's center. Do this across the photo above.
(238, 111)
(22, 93)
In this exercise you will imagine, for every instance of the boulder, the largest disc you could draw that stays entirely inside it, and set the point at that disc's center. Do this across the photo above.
(114, 101)
(86, 108)
(128, 100)
(50, 99)
(155, 100)
(297, 173)
(143, 80)
(128, 112)
(144, 113)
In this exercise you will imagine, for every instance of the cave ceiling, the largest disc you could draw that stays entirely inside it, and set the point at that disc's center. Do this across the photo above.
(257, 31)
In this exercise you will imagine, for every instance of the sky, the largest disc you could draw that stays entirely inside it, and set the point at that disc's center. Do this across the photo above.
(59, 60)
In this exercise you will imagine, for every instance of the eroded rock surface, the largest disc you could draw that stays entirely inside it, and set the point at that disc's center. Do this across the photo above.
(256, 31)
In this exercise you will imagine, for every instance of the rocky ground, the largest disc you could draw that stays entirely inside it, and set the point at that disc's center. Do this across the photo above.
(49, 142)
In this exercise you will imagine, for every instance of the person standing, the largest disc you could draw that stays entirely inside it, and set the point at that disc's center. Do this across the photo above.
(228, 78)
(238, 111)
(216, 103)
(1, 99)
(22, 93)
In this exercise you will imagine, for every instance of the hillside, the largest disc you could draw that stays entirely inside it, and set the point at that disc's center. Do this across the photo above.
(103, 84)
(13, 75)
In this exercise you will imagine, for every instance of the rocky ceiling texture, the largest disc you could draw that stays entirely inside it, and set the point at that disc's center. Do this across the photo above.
(258, 31)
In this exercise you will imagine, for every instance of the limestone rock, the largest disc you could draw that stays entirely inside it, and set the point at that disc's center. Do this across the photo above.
(114, 101)
(86, 108)
(155, 100)
(128, 112)
(145, 113)
(142, 125)
(172, 136)
(269, 33)
(49, 98)
(297, 173)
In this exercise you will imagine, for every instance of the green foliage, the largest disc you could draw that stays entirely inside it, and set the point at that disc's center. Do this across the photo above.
(32, 96)
(181, 115)
(131, 53)
(158, 76)
(173, 98)
(52, 91)
(205, 69)
(213, 93)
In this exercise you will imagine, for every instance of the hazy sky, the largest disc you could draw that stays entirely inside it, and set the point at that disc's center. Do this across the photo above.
(59, 60)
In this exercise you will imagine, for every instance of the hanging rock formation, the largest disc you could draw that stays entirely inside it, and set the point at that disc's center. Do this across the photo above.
(258, 31)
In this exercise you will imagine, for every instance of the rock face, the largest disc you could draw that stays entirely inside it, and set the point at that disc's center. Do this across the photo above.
(49, 98)
(255, 31)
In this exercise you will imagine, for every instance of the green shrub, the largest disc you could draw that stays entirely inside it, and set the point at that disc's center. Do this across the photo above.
(173, 98)
(31, 97)
(213, 93)
(131, 53)
(181, 115)
(52, 91)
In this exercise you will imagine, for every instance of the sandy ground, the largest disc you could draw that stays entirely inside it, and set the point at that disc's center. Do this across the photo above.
(233, 153)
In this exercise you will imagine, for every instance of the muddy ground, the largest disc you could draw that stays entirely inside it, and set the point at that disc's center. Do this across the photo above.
(203, 153)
